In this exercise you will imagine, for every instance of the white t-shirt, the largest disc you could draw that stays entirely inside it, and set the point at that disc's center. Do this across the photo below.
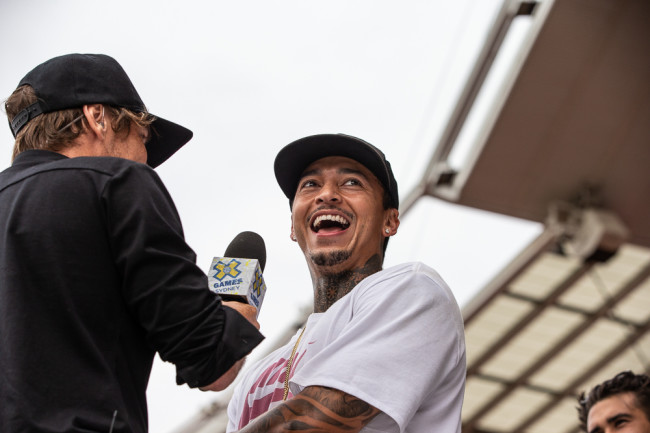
(396, 341)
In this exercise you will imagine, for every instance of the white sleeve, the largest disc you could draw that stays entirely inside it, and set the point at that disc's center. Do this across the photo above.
(404, 339)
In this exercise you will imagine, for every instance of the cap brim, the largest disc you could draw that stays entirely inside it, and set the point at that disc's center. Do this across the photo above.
(292, 160)
(166, 138)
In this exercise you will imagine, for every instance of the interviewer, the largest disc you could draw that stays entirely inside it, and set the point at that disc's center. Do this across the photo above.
(95, 274)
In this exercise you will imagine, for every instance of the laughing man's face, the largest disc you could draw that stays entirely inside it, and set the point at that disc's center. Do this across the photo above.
(338, 217)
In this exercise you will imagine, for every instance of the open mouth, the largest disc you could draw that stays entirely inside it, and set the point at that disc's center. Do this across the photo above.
(329, 223)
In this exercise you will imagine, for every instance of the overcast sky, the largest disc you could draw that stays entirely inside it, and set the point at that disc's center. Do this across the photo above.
(250, 76)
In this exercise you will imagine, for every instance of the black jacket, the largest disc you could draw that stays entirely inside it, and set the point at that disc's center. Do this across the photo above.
(95, 277)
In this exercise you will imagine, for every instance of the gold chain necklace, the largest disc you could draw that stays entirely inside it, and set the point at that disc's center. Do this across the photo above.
(289, 363)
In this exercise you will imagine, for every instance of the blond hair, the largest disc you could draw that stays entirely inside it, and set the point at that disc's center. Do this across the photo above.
(57, 130)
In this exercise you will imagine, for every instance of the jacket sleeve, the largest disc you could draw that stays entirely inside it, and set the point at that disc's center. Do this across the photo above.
(165, 291)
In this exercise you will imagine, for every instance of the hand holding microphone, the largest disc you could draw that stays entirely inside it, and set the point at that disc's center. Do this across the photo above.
(237, 276)
(237, 279)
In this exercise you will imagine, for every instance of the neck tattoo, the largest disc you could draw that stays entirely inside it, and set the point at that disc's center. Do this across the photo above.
(329, 288)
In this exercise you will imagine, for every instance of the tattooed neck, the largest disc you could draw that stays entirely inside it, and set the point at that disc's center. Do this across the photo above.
(330, 287)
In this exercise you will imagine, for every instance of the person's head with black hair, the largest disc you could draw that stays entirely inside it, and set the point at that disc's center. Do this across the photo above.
(344, 208)
(620, 404)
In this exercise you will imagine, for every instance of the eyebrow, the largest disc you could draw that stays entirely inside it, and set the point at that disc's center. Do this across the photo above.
(342, 170)
(611, 420)
(618, 416)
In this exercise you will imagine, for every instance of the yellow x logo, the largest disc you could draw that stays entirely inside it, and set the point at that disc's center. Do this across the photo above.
(225, 269)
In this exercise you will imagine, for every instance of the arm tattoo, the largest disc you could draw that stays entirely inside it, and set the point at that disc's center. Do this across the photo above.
(316, 409)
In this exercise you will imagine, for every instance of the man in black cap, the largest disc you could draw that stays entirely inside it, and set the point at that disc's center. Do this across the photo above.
(95, 274)
(384, 350)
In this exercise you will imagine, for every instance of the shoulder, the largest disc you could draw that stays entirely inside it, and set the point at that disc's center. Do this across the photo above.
(119, 182)
(408, 287)
(58, 168)
(108, 165)
(410, 269)
(410, 276)
(118, 174)
(97, 168)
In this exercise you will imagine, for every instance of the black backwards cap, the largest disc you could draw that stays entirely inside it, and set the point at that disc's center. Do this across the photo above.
(74, 80)
(292, 160)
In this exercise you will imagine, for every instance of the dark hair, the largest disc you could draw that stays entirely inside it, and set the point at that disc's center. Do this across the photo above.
(638, 384)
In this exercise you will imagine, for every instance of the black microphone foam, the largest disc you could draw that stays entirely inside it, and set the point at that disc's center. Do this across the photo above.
(248, 245)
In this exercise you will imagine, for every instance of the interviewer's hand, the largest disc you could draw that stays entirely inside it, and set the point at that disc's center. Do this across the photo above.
(250, 313)
(246, 310)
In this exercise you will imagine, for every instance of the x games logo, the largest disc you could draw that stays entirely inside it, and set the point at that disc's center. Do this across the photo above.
(227, 269)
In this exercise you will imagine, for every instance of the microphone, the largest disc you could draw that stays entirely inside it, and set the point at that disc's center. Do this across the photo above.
(237, 276)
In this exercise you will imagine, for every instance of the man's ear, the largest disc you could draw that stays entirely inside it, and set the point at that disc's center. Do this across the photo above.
(293, 234)
(391, 221)
(95, 119)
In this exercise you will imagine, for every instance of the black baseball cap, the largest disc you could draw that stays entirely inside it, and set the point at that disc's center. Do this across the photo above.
(292, 160)
(74, 80)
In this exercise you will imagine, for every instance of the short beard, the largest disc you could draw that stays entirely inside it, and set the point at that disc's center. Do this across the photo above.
(331, 258)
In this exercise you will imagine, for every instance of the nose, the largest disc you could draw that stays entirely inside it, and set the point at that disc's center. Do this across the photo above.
(328, 193)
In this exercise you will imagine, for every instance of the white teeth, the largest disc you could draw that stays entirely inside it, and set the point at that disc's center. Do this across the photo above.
(336, 218)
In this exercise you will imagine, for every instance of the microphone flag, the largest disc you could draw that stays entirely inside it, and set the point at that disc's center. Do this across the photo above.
(237, 279)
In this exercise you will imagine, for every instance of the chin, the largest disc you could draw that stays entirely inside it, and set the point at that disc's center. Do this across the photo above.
(330, 258)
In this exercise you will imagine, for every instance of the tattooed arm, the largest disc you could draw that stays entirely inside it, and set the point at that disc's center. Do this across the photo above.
(315, 409)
